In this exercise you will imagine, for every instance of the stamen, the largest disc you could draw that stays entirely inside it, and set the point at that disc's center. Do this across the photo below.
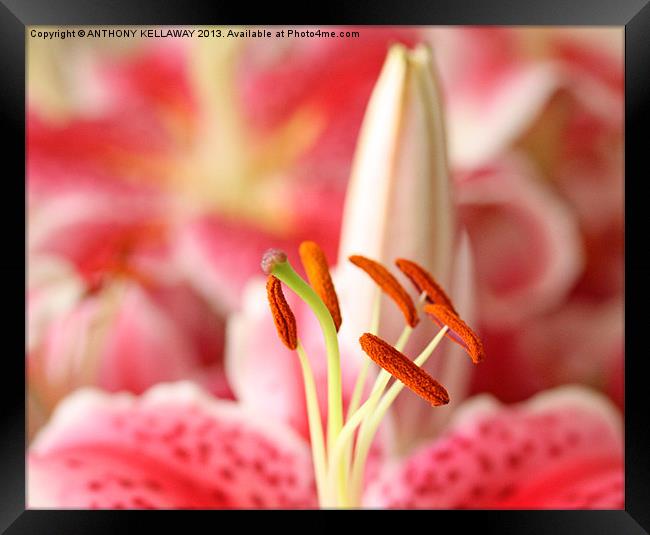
(398, 365)
(371, 422)
(424, 282)
(282, 270)
(285, 321)
(390, 285)
(315, 264)
(458, 331)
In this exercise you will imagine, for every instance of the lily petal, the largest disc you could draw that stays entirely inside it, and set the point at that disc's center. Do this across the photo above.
(579, 342)
(561, 449)
(526, 242)
(174, 447)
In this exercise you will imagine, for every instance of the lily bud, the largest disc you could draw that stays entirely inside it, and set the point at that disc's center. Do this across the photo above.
(398, 202)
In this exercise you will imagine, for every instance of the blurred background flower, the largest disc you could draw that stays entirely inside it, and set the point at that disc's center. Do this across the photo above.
(159, 170)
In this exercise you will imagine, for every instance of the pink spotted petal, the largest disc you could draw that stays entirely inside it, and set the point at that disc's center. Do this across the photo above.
(174, 447)
(561, 449)
(525, 241)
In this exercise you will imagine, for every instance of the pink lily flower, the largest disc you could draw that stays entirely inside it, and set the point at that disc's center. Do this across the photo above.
(571, 150)
(176, 447)
(124, 333)
(209, 248)
(173, 447)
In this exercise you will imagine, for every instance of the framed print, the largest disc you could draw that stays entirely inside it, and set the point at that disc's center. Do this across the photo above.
(374, 264)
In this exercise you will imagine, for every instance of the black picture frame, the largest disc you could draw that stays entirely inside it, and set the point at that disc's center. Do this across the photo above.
(634, 15)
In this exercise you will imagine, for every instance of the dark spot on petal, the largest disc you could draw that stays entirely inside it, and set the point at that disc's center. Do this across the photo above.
(174, 433)
(226, 473)
(204, 451)
(453, 476)
(181, 453)
(528, 447)
(505, 492)
(513, 460)
(257, 500)
(420, 489)
(151, 485)
(219, 495)
(484, 462)
(141, 503)
(477, 491)
(95, 486)
(484, 428)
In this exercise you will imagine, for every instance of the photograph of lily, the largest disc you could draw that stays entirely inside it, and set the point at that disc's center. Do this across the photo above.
(379, 271)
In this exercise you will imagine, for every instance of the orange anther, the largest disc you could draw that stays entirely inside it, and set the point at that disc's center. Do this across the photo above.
(390, 285)
(458, 331)
(400, 367)
(315, 264)
(424, 282)
(285, 321)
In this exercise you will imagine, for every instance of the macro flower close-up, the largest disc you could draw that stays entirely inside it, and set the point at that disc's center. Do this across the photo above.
(379, 270)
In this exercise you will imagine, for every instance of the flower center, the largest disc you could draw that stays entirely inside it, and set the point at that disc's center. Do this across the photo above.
(340, 458)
